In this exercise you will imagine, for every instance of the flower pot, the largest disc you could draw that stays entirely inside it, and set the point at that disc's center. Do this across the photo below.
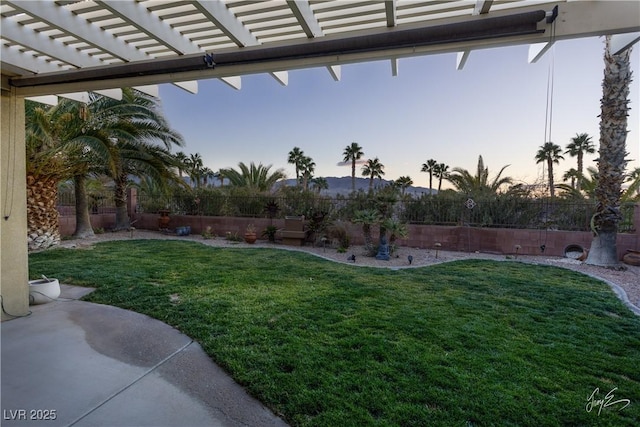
(163, 220)
(183, 231)
(42, 291)
(250, 237)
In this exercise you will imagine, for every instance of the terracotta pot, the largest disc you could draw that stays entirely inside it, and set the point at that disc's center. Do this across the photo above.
(631, 257)
(163, 220)
(250, 237)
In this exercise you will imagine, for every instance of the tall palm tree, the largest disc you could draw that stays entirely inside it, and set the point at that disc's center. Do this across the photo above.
(478, 184)
(69, 140)
(352, 153)
(373, 169)
(296, 157)
(181, 162)
(255, 177)
(429, 167)
(140, 147)
(612, 152)
(307, 167)
(440, 171)
(579, 145)
(195, 165)
(549, 153)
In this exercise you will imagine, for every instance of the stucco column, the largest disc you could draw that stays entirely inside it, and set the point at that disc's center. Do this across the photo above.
(14, 273)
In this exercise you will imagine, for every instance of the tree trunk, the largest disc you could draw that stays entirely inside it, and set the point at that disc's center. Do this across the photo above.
(353, 175)
(120, 199)
(368, 240)
(611, 161)
(579, 184)
(83, 220)
(552, 192)
(42, 216)
(603, 250)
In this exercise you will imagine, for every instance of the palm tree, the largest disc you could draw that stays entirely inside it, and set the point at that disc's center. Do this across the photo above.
(571, 175)
(296, 157)
(208, 175)
(181, 162)
(611, 162)
(429, 167)
(255, 177)
(307, 167)
(588, 184)
(70, 140)
(352, 153)
(403, 182)
(373, 169)
(478, 184)
(141, 159)
(368, 218)
(320, 184)
(440, 171)
(134, 149)
(579, 145)
(195, 165)
(549, 153)
(221, 177)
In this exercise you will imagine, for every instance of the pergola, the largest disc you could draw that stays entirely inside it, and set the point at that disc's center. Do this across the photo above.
(65, 48)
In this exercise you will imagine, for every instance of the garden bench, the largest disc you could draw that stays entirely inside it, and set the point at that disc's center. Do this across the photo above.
(293, 233)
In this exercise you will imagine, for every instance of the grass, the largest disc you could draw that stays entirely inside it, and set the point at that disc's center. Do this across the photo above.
(324, 344)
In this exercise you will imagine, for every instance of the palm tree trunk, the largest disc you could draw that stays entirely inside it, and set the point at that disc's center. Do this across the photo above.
(579, 171)
(552, 191)
(42, 216)
(368, 240)
(83, 221)
(611, 161)
(353, 175)
(120, 200)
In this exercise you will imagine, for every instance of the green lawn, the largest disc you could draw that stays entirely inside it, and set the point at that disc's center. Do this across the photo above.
(464, 343)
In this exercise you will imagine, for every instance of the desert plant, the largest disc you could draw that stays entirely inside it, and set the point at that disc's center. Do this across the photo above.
(270, 232)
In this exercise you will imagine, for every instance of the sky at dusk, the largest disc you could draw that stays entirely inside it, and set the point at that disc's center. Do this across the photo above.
(494, 107)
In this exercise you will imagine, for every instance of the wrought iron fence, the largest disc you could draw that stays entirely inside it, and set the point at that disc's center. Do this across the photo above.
(99, 202)
(498, 212)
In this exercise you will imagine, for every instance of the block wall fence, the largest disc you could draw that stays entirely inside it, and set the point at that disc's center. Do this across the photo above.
(453, 238)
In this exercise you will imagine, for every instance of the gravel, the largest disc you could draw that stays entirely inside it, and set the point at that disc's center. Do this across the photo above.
(625, 282)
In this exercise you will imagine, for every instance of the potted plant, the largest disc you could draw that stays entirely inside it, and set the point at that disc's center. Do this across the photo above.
(270, 233)
(250, 235)
(43, 290)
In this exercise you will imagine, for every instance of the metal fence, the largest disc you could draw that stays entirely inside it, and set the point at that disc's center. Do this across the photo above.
(99, 202)
(499, 212)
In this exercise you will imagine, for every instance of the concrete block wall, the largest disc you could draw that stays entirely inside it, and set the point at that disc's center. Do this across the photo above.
(461, 239)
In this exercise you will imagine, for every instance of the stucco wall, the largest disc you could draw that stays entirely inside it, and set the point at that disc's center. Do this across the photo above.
(14, 285)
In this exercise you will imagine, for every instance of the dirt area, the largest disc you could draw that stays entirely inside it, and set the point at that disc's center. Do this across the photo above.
(625, 283)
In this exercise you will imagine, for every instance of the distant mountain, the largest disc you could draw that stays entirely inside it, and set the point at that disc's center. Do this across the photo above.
(343, 186)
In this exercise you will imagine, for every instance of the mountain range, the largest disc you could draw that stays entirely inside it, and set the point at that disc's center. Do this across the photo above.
(342, 185)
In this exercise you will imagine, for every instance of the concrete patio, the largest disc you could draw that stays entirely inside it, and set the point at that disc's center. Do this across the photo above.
(83, 364)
